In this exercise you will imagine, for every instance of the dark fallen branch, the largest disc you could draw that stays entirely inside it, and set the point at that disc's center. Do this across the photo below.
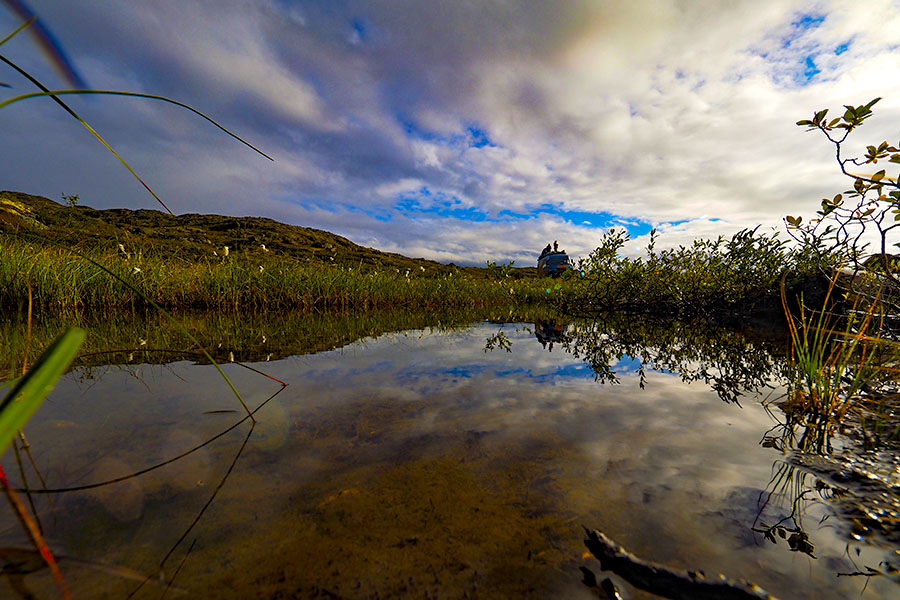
(666, 582)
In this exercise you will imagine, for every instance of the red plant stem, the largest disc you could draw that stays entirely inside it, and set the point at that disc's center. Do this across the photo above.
(35, 535)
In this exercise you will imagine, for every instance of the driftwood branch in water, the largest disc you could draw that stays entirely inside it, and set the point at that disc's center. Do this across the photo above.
(666, 582)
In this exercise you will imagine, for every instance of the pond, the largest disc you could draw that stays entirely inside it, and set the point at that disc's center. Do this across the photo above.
(460, 459)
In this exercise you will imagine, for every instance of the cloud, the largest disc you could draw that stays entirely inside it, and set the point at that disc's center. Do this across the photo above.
(643, 112)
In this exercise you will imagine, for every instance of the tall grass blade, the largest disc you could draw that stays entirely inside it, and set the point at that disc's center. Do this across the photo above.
(66, 107)
(18, 30)
(29, 391)
(24, 397)
(15, 99)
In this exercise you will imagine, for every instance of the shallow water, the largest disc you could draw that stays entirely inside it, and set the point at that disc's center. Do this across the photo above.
(419, 464)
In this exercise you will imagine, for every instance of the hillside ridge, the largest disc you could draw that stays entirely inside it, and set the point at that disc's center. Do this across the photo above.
(192, 236)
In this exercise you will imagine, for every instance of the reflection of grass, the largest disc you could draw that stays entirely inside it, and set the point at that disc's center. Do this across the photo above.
(63, 281)
(245, 336)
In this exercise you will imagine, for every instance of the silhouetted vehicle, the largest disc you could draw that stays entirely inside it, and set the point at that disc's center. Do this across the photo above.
(553, 264)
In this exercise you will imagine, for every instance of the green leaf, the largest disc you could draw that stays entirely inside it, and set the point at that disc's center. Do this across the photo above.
(878, 176)
(850, 114)
(30, 390)
(804, 122)
(872, 103)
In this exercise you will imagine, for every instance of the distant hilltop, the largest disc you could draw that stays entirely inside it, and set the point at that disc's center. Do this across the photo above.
(193, 236)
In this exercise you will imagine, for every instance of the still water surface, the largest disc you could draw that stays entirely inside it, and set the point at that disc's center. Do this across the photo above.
(420, 464)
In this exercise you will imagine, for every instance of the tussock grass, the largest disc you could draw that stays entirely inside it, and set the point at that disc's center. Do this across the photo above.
(65, 281)
(841, 371)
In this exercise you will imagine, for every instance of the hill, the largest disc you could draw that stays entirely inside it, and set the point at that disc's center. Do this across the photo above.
(192, 236)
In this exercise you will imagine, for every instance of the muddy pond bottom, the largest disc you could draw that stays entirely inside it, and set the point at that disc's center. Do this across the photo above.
(418, 465)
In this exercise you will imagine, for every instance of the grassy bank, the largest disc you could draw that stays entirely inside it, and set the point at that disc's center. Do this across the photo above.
(60, 280)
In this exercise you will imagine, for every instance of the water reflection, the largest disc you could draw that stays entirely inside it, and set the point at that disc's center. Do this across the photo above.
(416, 464)
(728, 360)
(734, 366)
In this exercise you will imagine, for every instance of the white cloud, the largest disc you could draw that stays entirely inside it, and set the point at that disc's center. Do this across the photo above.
(652, 111)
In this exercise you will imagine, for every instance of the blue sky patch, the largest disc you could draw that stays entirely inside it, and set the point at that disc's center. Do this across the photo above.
(360, 30)
(474, 136)
(479, 137)
(808, 21)
(800, 26)
(811, 69)
(842, 48)
(426, 202)
(439, 205)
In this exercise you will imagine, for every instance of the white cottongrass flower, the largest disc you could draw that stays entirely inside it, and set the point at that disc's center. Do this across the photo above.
(263, 246)
(135, 270)
(225, 250)
(261, 269)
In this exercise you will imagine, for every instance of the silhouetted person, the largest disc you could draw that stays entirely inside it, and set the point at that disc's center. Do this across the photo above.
(555, 246)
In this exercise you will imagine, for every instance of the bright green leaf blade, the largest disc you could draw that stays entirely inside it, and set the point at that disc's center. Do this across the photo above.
(30, 390)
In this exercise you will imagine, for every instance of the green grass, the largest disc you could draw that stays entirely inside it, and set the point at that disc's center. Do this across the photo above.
(840, 368)
(65, 281)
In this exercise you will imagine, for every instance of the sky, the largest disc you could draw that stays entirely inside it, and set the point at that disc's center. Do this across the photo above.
(463, 131)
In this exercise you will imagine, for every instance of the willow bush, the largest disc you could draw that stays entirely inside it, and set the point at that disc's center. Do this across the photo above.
(738, 275)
